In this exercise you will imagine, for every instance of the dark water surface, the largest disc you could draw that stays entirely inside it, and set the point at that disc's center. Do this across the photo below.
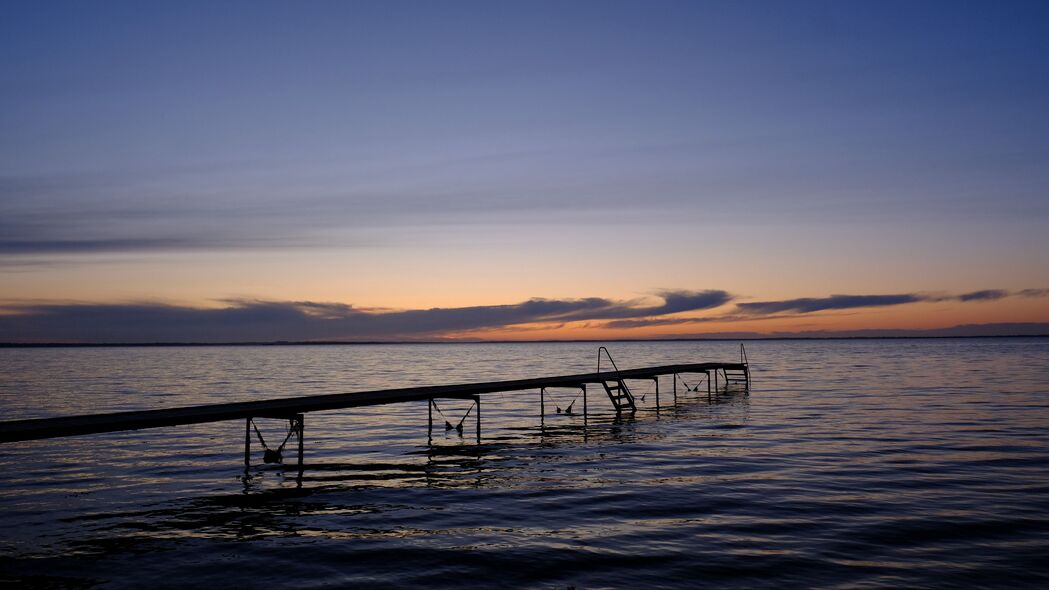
(876, 463)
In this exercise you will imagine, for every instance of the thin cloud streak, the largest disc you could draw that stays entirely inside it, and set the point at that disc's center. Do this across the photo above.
(838, 302)
(985, 295)
(89, 246)
(251, 206)
(631, 324)
(814, 304)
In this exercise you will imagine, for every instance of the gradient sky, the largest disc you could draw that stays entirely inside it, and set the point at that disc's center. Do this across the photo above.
(389, 170)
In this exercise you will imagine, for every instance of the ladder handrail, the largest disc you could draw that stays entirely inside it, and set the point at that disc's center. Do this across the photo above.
(609, 355)
(742, 354)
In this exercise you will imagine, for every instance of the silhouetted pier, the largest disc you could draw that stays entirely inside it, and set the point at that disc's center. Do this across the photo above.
(613, 382)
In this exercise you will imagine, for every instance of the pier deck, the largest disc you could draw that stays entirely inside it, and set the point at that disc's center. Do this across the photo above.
(293, 407)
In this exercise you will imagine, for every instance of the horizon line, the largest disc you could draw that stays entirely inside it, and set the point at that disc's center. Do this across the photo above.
(541, 341)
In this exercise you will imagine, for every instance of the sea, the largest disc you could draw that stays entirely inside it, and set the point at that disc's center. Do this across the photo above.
(895, 463)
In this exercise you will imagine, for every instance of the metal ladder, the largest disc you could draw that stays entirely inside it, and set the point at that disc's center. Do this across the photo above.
(739, 375)
(616, 388)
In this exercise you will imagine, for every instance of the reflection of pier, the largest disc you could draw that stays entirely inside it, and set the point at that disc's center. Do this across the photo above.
(292, 409)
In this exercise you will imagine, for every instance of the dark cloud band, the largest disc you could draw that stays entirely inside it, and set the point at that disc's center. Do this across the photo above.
(257, 321)
(265, 321)
(837, 302)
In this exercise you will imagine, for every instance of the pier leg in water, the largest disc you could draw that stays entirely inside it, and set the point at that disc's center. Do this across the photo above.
(247, 445)
(708, 385)
(429, 422)
(656, 379)
(477, 400)
(542, 412)
(675, 388)
(584, 413)
(301, 431)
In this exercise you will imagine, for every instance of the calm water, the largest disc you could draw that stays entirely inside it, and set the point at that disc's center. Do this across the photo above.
(881, 463)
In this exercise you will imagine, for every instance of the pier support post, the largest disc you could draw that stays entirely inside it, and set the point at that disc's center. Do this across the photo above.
(715, 380)
(477, 400)
(300, 432)
(429, 421)
(584, 401)
(708, 384)
(675, 388)
(247, 444)
(656, 379)
(542, 403)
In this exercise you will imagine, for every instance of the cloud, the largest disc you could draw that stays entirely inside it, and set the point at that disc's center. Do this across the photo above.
(837, 302)
(261, 321)
(267, 321)
(813, 304)
(674, 301)
(986, 295)
(678, 301)
(1033, 293)
(804, 305)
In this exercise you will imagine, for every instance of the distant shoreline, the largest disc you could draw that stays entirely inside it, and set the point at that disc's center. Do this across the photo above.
(429, 342)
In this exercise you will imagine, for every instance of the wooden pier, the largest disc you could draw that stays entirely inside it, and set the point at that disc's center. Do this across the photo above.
(613, 382)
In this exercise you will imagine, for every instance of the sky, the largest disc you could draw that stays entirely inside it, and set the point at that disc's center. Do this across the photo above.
(257, 171)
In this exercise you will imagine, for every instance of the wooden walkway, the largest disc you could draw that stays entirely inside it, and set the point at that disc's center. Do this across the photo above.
(293, 407)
